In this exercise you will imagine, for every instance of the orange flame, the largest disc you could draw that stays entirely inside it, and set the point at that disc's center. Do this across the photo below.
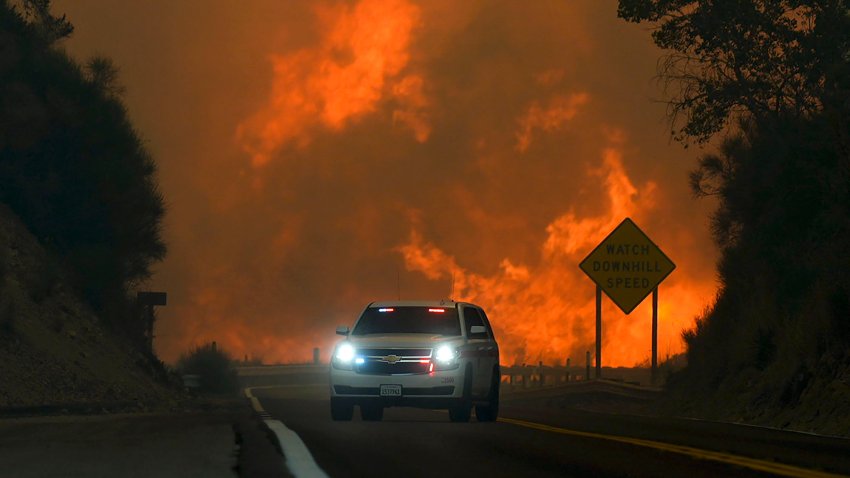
(544, 311)
(343, 78)
(364, 68)
(547, 312)
(413, 104)
(560, 110)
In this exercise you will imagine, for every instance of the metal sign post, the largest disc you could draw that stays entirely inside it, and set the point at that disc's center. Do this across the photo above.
(150, 299)
(598, 332)
(654, 371)
(627, 266)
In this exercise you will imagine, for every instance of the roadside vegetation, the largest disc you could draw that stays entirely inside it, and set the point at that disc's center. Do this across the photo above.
(55, 353)
(74, 169)
(80, 222)
(770, 82)
(213, 367)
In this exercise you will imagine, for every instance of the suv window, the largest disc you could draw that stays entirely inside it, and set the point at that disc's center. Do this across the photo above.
(487, 324)
(408, 320)
(471, 317)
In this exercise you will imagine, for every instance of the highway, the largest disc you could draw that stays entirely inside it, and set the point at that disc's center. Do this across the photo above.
(542, 437)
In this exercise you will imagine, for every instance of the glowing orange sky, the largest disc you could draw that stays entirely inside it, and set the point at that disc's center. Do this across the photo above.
(363, 47)
(317, 156)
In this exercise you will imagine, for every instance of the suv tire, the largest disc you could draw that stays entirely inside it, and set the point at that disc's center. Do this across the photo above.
(463, 410)
(341, 411)
(490, 411)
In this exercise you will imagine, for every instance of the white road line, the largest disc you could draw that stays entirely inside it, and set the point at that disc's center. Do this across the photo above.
(298, 459)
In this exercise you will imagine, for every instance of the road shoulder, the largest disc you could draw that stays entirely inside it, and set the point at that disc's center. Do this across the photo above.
(221, 442)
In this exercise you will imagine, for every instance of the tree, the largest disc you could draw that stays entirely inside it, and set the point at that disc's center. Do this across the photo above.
(103, 73)
(762, 58)
(779, 71)
(782, 225)
(72, 165)
(48, 27)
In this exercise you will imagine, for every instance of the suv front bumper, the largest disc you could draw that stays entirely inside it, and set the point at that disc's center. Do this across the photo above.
(439, 389)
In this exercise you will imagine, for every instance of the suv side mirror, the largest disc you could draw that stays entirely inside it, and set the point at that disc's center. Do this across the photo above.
(343, 330)
(477, 330)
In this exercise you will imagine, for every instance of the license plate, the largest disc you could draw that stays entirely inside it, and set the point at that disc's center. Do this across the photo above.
(390, 390)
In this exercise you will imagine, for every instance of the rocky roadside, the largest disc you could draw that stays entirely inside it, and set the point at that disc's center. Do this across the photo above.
(206, 438)
(55, 353)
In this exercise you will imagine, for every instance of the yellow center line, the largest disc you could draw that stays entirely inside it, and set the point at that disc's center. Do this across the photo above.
(751, 463)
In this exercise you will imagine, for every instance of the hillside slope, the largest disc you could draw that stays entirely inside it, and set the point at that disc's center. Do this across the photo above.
(54, 353)
(813, 402)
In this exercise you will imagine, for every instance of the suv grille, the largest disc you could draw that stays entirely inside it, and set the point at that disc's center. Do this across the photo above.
(394, 361)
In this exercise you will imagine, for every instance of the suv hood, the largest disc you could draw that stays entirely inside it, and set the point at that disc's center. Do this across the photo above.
(402, 340)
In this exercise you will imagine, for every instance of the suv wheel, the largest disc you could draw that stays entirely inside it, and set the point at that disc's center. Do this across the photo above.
(490, 411)
(462, 411)
(371, 413)
(341, 411)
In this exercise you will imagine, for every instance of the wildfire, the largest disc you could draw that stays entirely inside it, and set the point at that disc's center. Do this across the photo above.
(550, 118)
(363, 51)
(547, 312)
(411, 113)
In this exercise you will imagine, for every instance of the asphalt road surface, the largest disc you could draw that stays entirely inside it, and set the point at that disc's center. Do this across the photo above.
(533, 439)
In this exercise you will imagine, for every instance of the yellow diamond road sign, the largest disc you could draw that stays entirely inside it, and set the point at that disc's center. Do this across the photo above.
(627, 265)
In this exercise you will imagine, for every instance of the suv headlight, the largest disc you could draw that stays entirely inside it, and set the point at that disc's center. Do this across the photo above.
(344, 356)
(445, 357)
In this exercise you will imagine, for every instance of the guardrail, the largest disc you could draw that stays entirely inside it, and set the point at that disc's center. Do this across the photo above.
(529, 376)
(517, 376)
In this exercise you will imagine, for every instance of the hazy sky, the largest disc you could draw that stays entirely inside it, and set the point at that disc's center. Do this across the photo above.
(316, 156)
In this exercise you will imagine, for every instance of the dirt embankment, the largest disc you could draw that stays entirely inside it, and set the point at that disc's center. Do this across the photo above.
(820, 407)
(816, 402)
(54, 353)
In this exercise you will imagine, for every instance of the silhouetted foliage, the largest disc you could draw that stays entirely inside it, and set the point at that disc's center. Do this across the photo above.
(48, 27)
(103, 73)
(780, 71)
(782, 225)
(71, 164)
(760, 57)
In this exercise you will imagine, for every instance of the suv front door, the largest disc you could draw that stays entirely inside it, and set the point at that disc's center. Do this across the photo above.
(481, 349)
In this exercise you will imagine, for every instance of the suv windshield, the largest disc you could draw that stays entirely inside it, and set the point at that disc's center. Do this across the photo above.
(408, 320)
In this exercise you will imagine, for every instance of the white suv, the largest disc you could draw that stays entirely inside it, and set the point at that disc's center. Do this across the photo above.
(438, 354)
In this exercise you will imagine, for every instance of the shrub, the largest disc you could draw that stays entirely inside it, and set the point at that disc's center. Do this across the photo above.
(213, 365)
